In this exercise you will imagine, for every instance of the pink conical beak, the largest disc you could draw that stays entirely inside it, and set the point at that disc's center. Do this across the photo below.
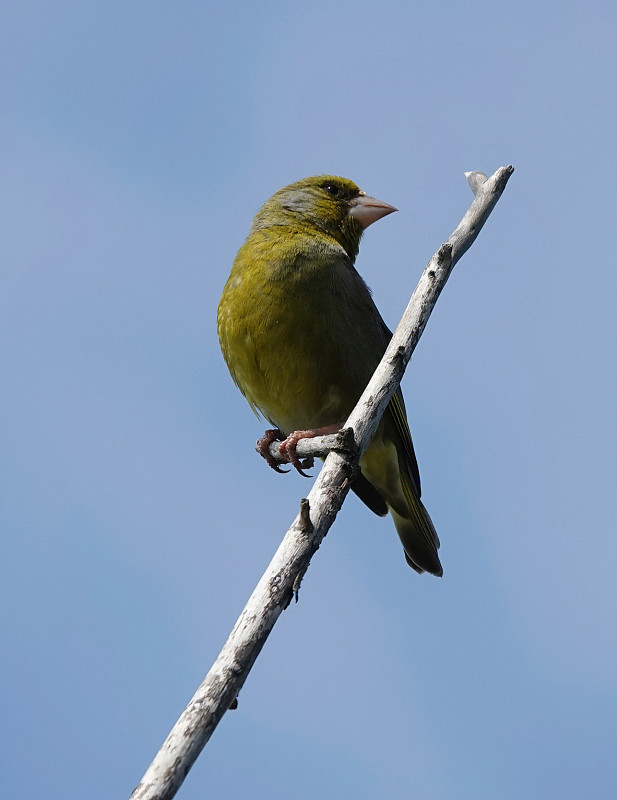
(368, 210)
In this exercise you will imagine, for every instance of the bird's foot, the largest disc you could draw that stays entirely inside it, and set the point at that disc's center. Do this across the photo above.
(263, 447)
(288, 446)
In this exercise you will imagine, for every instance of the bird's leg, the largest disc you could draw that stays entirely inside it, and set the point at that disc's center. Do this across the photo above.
(288, 445)
(263, 446)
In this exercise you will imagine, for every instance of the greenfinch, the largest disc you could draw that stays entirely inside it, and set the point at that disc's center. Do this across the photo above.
(302, 336)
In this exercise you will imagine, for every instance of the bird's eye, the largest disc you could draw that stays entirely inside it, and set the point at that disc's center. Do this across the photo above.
(332, 189)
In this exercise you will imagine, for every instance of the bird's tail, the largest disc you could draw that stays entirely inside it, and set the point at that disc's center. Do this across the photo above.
(417, 534)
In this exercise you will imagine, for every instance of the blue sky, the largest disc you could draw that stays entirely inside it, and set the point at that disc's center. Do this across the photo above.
(138, 140)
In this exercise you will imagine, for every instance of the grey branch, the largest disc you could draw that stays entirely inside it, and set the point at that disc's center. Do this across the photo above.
(281, 580)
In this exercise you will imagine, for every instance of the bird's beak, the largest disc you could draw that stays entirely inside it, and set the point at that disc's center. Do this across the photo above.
(368, 210)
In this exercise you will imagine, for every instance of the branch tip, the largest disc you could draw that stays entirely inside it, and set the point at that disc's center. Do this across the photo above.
(306, 525)
(295, 589)
(346, 442)
(444, 254)
(475, 180)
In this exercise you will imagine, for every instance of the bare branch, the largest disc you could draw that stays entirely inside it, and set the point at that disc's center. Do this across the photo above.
(281, 580)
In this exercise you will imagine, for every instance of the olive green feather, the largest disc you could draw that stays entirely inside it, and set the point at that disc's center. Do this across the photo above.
(302, 336)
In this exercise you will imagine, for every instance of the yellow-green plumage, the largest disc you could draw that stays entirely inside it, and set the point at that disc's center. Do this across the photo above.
(302, 336)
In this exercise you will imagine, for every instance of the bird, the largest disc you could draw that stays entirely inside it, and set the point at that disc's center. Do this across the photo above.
(302, 336)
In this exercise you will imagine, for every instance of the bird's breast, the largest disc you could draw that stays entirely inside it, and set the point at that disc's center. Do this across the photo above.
(289, 332)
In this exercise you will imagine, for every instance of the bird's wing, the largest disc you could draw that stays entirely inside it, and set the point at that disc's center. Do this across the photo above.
(397, 416)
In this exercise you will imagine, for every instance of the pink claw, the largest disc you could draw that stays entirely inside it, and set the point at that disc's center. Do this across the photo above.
(263, 445)
(288, 448)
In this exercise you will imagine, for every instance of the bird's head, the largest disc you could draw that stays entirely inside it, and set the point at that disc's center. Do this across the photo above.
(333, 205)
